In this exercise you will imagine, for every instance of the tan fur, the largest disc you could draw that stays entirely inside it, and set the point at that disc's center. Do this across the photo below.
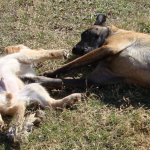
(123, 57)
(116, 56)
(116, 60)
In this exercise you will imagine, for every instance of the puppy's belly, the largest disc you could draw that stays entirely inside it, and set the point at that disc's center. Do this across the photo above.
(8, 84)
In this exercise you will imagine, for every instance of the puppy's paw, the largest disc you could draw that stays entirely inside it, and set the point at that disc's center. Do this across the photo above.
(77, 97)
(66, 54)
(74, 98)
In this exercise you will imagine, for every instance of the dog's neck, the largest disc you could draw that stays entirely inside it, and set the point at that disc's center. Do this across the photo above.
(113, 29)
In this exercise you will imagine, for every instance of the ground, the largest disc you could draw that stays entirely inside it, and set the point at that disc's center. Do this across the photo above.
(112, 117)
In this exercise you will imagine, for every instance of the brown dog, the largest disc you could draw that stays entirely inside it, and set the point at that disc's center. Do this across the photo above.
(123, 56)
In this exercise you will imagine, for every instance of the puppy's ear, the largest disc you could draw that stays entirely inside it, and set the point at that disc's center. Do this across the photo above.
(100, 20)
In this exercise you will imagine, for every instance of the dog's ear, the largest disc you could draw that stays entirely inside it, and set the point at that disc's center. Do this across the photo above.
(100, 20)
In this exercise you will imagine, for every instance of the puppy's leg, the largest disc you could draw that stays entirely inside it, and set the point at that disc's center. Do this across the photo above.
(20, 111)
(19, 108)
(27, 55)
(89, 58)
(32, 56)
(36, 93)
(68, 100)
(17, 48)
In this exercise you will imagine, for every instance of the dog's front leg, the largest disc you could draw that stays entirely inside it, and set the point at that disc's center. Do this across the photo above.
(52, 83)
(89, 58)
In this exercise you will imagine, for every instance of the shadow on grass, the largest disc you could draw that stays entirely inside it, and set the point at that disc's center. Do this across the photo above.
(122, 95)
(119, 96)
(5, 143)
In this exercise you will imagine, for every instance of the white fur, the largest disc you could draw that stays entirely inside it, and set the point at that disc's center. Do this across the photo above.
(14, 94)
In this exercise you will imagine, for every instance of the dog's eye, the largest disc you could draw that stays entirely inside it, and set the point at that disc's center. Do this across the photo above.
(84, 35)
(86, 32)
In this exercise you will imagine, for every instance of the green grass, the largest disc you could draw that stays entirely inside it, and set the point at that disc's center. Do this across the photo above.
(112, 117)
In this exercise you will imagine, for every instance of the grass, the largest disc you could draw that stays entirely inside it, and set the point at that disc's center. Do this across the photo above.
(112, 117)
